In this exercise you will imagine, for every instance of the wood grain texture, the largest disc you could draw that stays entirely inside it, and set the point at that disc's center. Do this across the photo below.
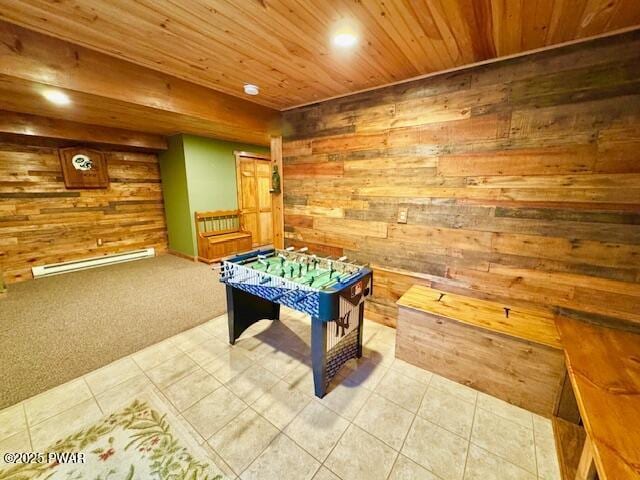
(253, 177)
(41, 222)
(570, 440)
(521, 179)
(35, 126)
(587, 466)
(285, 46)
(536, 325)
(604, 369)
(277, 201)
(390, 285)
(103, 92)
(219, 235)
(517, 371)
(567, 406)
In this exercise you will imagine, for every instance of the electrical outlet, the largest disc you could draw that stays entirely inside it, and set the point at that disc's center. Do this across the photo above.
(403, 212)
(99, 242)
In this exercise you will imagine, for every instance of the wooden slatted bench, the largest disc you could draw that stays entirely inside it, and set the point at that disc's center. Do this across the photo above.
(604, 368)
(219, 235)
(510, 352)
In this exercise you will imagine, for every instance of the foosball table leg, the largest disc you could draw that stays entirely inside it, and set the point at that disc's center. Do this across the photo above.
(319, 356)
(245, 309)
(360, 329)
(327, 361)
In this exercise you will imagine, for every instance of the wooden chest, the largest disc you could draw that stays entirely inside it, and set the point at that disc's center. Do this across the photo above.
(508, 352)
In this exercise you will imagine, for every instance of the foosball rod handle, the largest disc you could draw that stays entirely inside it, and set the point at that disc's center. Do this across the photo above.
(339, 280)
(304, 296)
(286, 292)
(349, 278)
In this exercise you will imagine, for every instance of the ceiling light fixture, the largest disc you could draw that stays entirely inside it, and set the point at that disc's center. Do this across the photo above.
(57, 97)
(345, 39)
(344, 33)
(251, 89)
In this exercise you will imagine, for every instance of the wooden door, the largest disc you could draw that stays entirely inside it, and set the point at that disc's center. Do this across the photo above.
(253, 173)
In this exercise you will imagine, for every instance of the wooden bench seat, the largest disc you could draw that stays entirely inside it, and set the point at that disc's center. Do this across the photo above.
(510, 352)
(604, 368)
(225, 237)
(219, 235)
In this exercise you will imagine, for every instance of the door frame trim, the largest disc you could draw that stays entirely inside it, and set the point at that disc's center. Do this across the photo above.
(240, 154)
(259, 156)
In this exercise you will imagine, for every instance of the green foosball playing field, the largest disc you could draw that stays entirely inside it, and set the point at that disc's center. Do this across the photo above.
(312, 271)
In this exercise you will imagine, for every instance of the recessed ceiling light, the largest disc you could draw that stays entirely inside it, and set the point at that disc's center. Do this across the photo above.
(345, 33)
(250, 89)
(345, 39)
(57, 97)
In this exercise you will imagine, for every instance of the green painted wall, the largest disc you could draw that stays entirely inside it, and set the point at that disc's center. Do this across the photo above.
(211, 173)
(206, 180)
(176, 197)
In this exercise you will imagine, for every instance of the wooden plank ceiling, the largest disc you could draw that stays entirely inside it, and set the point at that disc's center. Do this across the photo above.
(111, 92)
(23, 96)
(284, 45)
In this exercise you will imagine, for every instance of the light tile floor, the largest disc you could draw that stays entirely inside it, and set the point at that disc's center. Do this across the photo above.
(252, 407)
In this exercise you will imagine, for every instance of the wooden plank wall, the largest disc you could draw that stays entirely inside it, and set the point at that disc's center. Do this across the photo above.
(42, 222)
(521, 179)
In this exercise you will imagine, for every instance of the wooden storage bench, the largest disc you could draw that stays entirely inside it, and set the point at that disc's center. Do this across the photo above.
(219, 234)
(509, 352)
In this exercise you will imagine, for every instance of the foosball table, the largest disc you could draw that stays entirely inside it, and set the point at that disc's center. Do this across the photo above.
(331, 291)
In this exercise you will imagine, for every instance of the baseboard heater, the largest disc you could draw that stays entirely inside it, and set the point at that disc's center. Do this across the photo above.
(75, 265)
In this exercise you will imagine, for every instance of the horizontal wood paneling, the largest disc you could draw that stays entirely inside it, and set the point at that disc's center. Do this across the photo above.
(42, 222)
(520, 178)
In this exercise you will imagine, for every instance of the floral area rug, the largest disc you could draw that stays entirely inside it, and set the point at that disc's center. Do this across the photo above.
(141, 441)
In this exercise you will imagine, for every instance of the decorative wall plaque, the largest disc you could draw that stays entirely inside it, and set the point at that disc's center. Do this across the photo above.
(84, 168)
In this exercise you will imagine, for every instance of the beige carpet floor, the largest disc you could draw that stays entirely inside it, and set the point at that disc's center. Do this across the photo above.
(58, 328)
